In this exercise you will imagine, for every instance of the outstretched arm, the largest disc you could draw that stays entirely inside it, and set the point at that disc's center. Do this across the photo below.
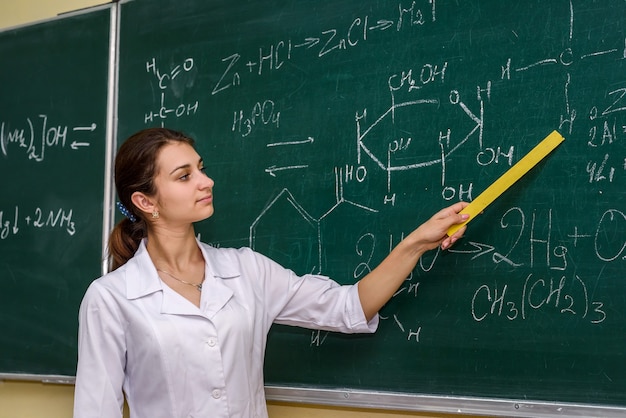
(380, 284)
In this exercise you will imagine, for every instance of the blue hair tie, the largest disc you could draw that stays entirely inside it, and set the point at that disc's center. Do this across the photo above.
(126, 212)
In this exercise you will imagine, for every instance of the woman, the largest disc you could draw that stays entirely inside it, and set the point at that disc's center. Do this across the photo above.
(179, 327)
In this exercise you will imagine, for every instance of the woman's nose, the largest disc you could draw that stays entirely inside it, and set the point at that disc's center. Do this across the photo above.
(207, 181)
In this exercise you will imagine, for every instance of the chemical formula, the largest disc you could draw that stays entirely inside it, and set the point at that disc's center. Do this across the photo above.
(39, 135)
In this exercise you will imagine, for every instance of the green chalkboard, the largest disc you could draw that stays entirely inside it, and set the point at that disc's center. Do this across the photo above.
(53, 105)
(332, 128)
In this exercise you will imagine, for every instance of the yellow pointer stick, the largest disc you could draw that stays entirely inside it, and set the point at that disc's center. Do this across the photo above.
(506, 180)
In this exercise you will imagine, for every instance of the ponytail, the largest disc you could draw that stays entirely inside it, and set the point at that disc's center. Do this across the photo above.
(124, 241)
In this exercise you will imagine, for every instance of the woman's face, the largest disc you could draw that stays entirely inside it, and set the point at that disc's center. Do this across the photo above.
(184, 192)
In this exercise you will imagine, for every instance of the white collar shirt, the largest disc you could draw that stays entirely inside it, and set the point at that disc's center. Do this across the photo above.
(140, 339)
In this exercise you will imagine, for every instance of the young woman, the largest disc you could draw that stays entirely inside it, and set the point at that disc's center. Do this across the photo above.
(178, 327)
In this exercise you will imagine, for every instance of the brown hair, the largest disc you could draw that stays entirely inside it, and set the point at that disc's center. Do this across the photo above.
(135, 169)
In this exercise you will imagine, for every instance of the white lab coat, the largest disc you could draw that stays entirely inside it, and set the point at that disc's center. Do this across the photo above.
(175, 360)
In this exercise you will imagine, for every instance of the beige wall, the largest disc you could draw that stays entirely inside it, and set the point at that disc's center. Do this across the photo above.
(23, 399)
(18, 12)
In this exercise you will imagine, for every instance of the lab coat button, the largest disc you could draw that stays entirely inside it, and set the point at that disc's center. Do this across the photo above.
(216, 393)
(211, 342)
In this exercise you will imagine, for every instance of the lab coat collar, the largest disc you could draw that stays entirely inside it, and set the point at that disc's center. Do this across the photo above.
(141, 275)
(142, 279)
(223, 267)
(215, 293)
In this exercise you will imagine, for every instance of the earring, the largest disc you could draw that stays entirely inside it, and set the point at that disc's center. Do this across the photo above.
(155, 214)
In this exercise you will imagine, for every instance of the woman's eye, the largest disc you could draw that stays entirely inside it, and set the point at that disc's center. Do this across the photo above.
(186, 176)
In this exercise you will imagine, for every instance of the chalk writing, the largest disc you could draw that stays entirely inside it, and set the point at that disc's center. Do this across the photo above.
(39, 136)
(12, 221)
(566, 297)
(533, 245)
(178, 79)
(262, 114)
(272, 58)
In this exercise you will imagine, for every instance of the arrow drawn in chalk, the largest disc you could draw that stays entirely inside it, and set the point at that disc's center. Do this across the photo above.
(273, 169)
(309, 140)
(478, 249)
(76, 145)
(91, 128)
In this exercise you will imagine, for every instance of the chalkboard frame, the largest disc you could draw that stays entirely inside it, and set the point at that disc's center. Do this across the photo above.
(346, 397)
(440, 404)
